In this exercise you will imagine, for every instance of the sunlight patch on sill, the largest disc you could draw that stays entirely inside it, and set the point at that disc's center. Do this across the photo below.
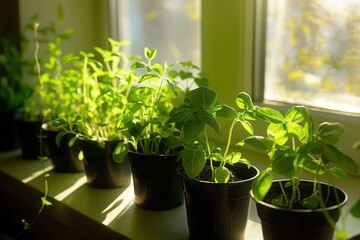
(61, 196)
(37, 174)
(120, 205)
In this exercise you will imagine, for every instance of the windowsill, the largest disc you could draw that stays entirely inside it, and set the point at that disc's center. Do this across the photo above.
(115, 209)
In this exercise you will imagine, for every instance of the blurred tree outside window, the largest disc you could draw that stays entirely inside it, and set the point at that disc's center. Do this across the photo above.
(313, 53)
(171, 26)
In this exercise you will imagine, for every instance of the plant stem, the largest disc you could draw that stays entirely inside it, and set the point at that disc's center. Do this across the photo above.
(229, 140)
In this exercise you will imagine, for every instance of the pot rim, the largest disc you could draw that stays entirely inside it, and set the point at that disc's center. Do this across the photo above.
(269, 205)
(182, 174)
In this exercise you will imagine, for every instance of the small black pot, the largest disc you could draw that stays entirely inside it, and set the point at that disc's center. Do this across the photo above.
(298, 224)
(218, 210)
(100, 168)
(156, 184)
(9, 139)
(29, 135)
(64, 158)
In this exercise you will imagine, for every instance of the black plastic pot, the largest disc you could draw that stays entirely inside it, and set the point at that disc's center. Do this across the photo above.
(100, 169)
(29, 135)
(354, 237)
(64, 158)
(298, 224)
(218, 210)
(156, 185)
(9, 139)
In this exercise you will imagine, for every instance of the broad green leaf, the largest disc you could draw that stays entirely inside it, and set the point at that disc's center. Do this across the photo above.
(270, 115)
(193, 128)
(203, 97)
(309, 165)
(208, 119)
(181, 114)
(278, 133)
(296, 130)
(194, 161)
(261, 185)
(233, 157)
(338, 173)
(355, 209)
(257, 142)
(278, 201)
(334, 155)
(158, 68)
(294, 114)
(311, 202)
(120, 152)
(282, 163)
(171, 85)
(222, 175)
(226, 112)
(243, 101)
(216, 157)
(330, 133)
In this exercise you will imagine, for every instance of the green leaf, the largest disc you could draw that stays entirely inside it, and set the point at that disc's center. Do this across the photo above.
(356, 145)
(226, 112)
(278, 133)
(216, 157)
(193, 128)
(194, 161)
(243, 101)
(150, 54)
(278, 201)
(45, 202)
(158, 68)
(334, 155)
(233, 157)
(208, 119)
(270, 115)
(72, 141)
(311, 202)
(261, 185)
(330, 133)
(182, 114)
(338, 173)
(247, 126)
(222, 175)
(355, 209)
(257, 142)
(297, 114)
(58, 138)
(81, 155)
(203, 97)
(282, 163)
(120, 152)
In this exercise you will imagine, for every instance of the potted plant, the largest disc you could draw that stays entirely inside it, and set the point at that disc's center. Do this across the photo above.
(13, 91)
(38, 105)
(293, 207)
(102, 111)
(216, 183)
(150, 135)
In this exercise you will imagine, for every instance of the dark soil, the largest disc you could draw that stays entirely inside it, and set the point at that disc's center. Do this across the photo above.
(206, 175)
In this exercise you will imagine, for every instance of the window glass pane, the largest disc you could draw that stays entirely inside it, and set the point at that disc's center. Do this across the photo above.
(171, 26)
(313, 53)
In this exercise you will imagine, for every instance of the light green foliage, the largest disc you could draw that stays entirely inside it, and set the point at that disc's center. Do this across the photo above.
(199, 111)
(294, 146)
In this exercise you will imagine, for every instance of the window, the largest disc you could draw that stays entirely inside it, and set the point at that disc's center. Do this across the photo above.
(171, 26)
(313, 53)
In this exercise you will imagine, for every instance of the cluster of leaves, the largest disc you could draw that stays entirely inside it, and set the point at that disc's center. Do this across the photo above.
(199, 111)
(294, 146)
(151, 102)
(13, 89)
